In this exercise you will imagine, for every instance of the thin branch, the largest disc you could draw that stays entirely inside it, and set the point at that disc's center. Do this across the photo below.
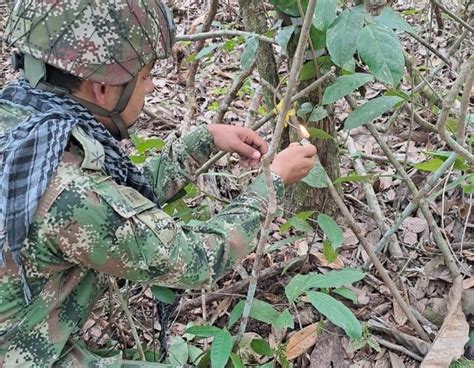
(464, 107)
(372, 201)
(429, 47)
(454, 16)
(224, 33)
(466, 69)
(400, 349)
(375, 260)
(227, 100)
(268, 158)
(190, 80)
(303, 93)
(124, 306)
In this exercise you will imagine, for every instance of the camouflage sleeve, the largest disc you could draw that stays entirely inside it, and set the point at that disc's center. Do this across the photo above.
(172, 168)
(115, 230)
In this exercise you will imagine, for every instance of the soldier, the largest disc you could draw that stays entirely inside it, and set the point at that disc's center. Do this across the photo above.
(74, 210)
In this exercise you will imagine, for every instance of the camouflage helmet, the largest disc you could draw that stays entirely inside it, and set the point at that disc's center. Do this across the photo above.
(102, 41)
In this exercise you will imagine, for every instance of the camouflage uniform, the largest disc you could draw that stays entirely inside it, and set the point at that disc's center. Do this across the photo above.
(87, 227)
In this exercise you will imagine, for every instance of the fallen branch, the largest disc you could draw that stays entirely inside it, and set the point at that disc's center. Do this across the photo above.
(400, 349)
(272, 271)
(224, 33)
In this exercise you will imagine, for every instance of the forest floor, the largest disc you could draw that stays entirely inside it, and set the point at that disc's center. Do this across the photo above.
(420, 275)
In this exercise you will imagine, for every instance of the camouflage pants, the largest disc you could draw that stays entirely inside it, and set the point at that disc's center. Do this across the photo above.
(76, 356)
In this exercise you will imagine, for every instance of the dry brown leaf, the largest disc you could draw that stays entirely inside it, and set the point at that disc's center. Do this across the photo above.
(301, 341)
(399, 315)
(319, 259)
(468, 283)
(414, 224)
(409, 238)
(449, 343)
(396, 361)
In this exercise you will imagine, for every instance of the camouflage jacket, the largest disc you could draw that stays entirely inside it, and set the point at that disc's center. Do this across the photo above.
(88, 227)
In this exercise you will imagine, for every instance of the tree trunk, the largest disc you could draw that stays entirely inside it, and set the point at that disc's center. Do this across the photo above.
(253, 14)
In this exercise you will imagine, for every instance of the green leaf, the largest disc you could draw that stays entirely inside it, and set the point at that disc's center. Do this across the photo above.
(137, 159)
(297, 224)
(324, 14)
(319, 133)
(178, 351)
(285, 320)
(318, 38)
(316, 178)
(260, 310)
(261, 346)
(379, 47)
(308, 71)
(397, 92)
(250, 50)
(280, 243)
(195, 354)
(206, 51)
(304, 110)
(331, 229)
(203, 331)
(317, 114)
(468, 187)
(333, 279)
(430, 165)
(345, 85)
(336, 312)
(346, 293)
(284, 36)
(329, 252)
(290, 7)
(459, 164)
(236, 361)
(392, 19)
(221, 349)
(163, 294)
(341, 36)
(370, 110)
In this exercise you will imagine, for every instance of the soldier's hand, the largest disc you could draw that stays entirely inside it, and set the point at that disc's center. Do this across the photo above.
(243, 141)
(294, 162)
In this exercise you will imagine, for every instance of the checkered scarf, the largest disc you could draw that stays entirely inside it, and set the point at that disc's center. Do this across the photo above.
(31, 152)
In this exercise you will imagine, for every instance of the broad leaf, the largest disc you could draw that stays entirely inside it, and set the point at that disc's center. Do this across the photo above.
(203, 331)
(163, 294)
(345, 85)
(178, 351)
(205, 51)
(236, 361)
(290, 7)
(285, 320)
(305, 109)
(329, 251)
(308, 71)
(324, 14)
(319, 133)
(336, 312)
(260, 310)
(370, 110)
(261, 346)
(333, 279)
(318, 38)
(346, 293)
(459, 164)
(250, 50)
(430, 165)
(317, 114)
(316, 178)
(284, 36)
(341, 36)
(331, 229)
(221, 349)
(392, 19)
(379, 47)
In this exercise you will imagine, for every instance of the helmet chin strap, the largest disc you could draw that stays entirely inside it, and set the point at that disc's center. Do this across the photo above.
(120, 128)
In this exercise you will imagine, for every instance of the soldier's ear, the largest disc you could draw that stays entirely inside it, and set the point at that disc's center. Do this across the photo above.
(104, 95)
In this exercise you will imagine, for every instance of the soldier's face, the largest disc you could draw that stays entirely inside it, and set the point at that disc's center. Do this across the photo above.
(143, 87)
